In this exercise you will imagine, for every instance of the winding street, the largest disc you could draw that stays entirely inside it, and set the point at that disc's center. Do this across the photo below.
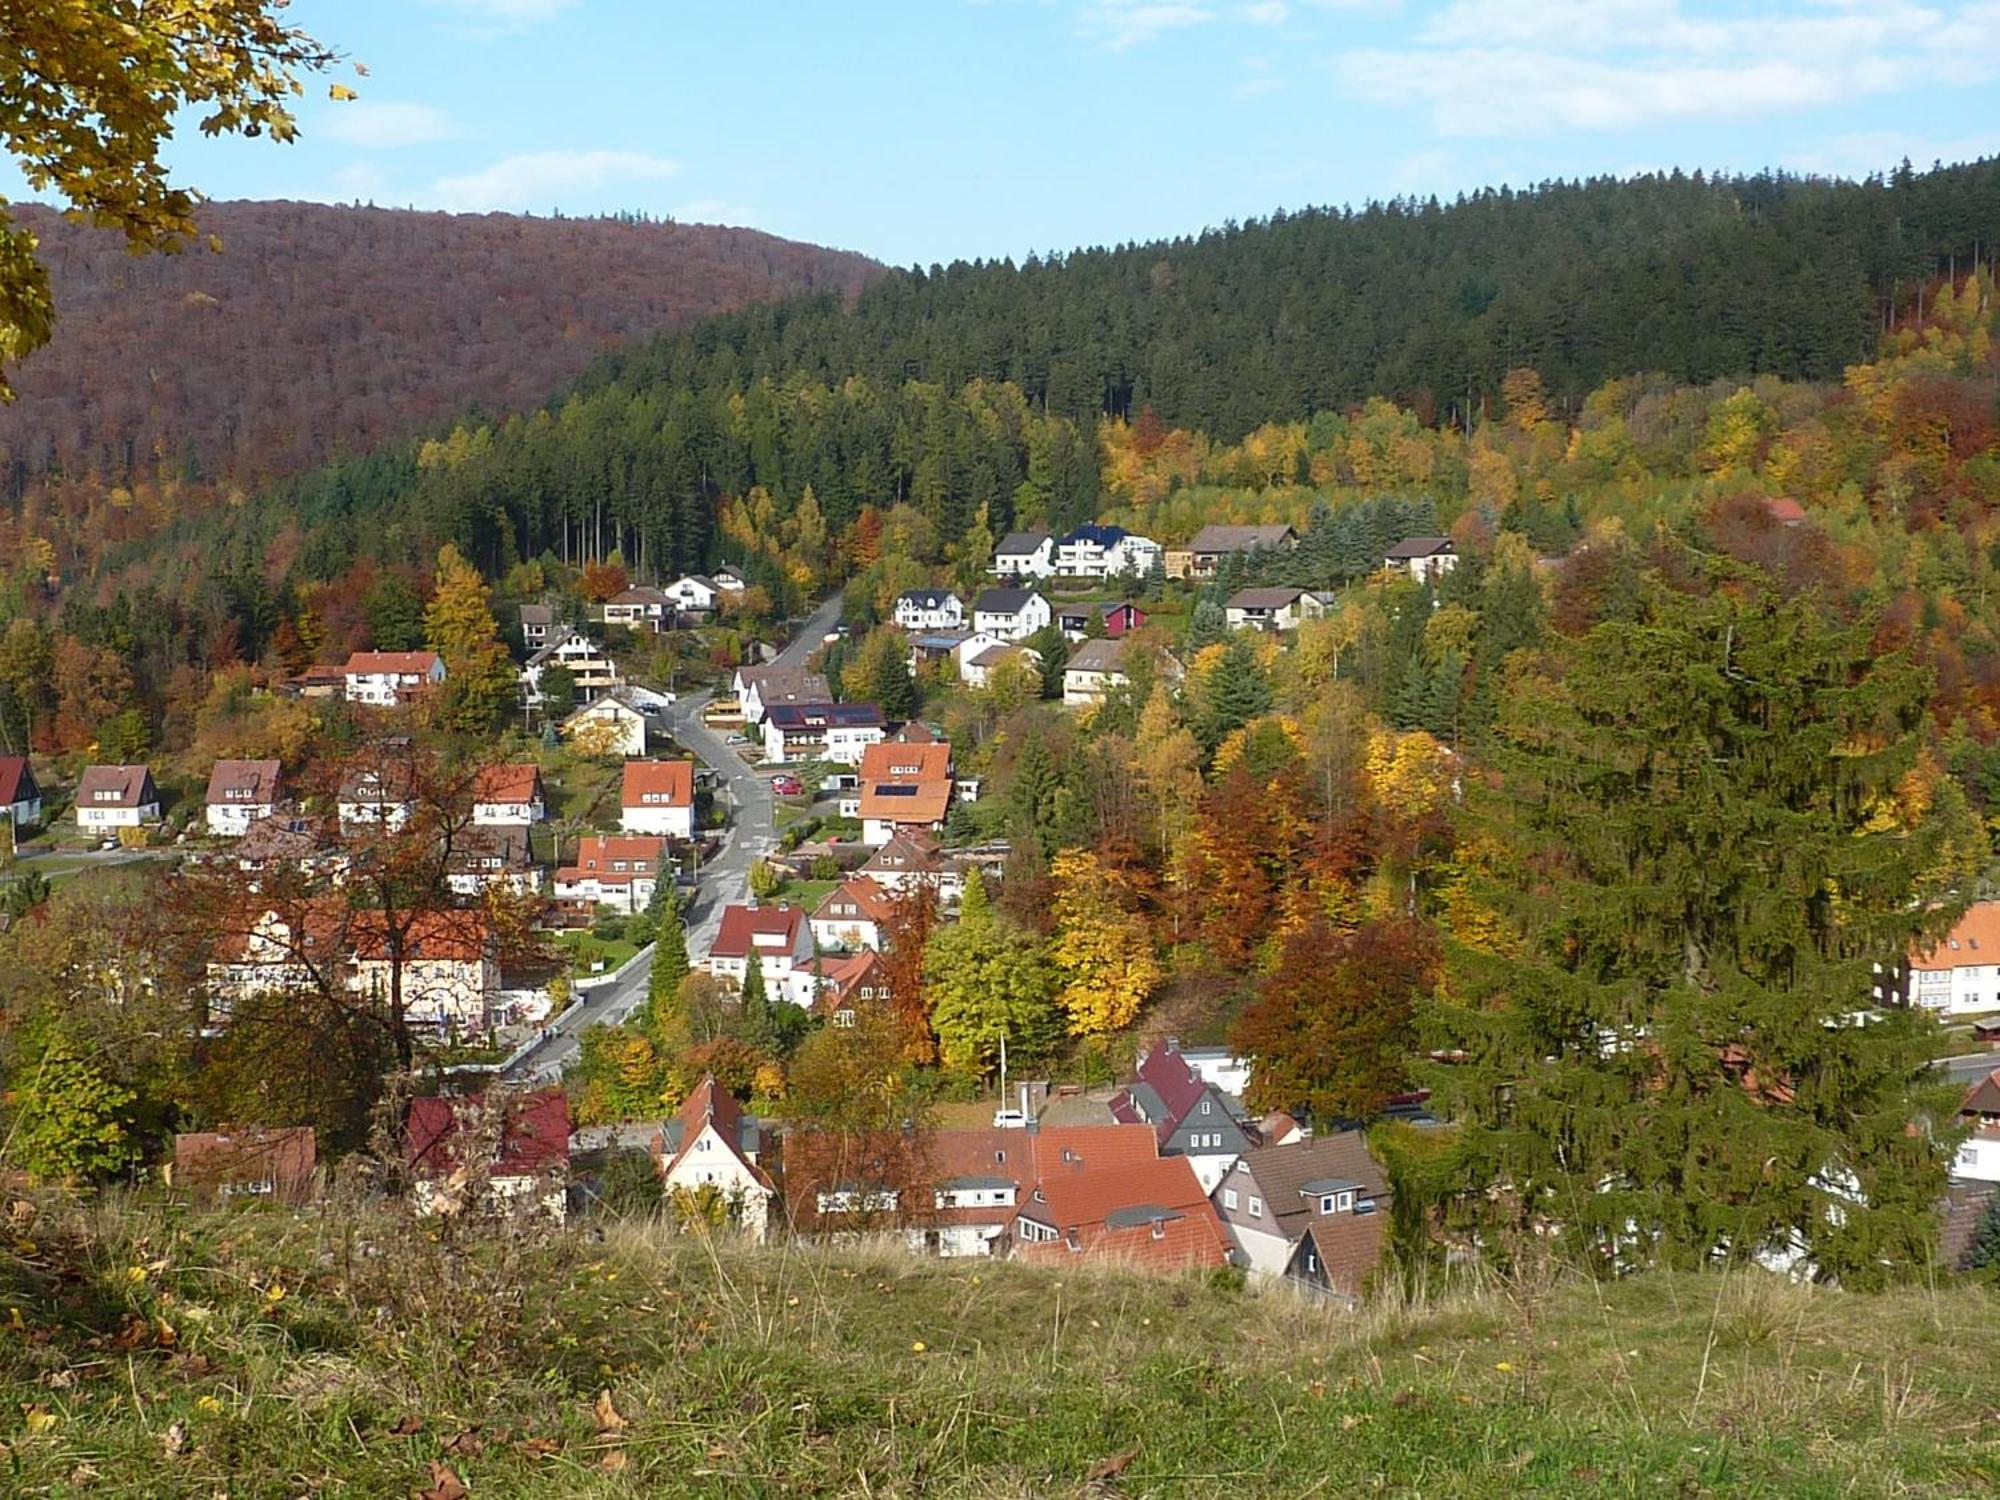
(721, 882)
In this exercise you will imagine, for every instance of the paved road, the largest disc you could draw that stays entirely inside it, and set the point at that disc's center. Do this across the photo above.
(723, 881)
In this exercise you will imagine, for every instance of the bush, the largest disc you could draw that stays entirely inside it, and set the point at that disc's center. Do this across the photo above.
(628, 1185)
(609, 929)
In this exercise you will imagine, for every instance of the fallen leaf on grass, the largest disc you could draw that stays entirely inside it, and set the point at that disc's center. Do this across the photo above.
(175, 1439)
(613, 1462)
(1112, 1467)
(467, 1444)
(445, 1485)
(540, 1447)
(40, 1418)
(609, 1419)
(408, 1426)
(83, 1473)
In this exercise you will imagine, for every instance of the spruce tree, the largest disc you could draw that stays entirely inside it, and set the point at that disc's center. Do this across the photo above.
(1707, 840)
(670, 952)
(759, 1027)
(1233, 693)
(1985, 1252)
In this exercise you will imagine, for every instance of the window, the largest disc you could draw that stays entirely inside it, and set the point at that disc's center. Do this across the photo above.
(1229, 1197)
(1205, 1108)
(1336, 1203)
(1256, 1208)
(843, 1018)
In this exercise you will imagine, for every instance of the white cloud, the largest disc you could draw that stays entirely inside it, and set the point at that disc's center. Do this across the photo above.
(358, 182)
(1118, 24)
(1859, 153)
(1495, 67)
(376, 124)
(718, 211)
(537, 181)
(1267, 13)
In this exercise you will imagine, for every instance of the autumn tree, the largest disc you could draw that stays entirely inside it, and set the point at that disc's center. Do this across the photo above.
(90, 94)
(987, 980)
(1102, 952)
(459, 626)
(1331, 1032)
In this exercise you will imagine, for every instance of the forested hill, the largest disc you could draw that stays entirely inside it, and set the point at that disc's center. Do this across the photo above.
(1690, 276)
(319, 330)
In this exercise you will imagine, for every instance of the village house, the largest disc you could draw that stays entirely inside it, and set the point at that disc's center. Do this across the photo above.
(245, 1161)
(1192, 1117)
(1153, 1216)
(849, 981)
(1106, 552)
(982, 1180)
(594, 672)
(760, 689)
(1329, 1189)
(1959, 976)
(694, 594)
(450, 968)
(712, 1146)
(1092, 671)
(612, 726)
(320, 680)
(1209, 546)
(781, 938)
(977, 669)
(852, 916)
(1219, 1066)
(658, 797)
(1270, 609)
(509, 794)
(1011, 614)
(492, 856)
(905, 787)
(614, 871)
(1025, 554)
(376, 796)
(912, 859)
(239, 793)
(387, 679)
(730, 579)
(538, 626)
(837, 732)
(309, 846)
(109, 798)
(1425, 558)
(522, 1154)
(1978, 1158)
(20, 796)
(930, 609)
(1120, 619)
(641, 608)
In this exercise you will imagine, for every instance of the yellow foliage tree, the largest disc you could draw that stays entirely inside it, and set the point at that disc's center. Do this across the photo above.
(1102, 952)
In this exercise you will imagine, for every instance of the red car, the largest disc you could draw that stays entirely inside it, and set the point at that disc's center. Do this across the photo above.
(787, 786)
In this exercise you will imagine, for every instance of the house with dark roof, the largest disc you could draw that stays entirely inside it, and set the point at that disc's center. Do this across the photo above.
(1204, 553)
(694, 594)
(1010, 614)
(1190, 1115)
(837, 732)
(20, 795)
(1094, 551)
(109, 798)
(239, 793)
(538, 623)
(761, 688)
(641, 608)
(711, 1148)
(1272, 1195)
(1269, 609)
(1025, 554)
(1978, 1158)
(930, 609)
(489, 1153)
(492, 856)
(780, 936)
(1425, 558)
(914, 858)
(1119, 619)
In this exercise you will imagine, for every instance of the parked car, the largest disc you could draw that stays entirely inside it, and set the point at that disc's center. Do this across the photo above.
(1010, 1119)
(787, 786)
(739, 739)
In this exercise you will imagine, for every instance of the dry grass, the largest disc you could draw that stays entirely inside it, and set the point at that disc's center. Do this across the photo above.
(740, 1370)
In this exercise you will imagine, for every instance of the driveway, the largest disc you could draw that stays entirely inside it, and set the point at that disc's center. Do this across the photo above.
(723, 881)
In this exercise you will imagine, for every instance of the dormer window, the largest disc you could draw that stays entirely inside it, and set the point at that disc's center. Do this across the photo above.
(1336, 1203)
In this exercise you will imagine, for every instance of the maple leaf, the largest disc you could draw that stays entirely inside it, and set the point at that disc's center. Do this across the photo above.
(445, 1485)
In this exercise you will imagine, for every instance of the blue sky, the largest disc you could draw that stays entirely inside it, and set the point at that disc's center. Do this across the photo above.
(934, 129)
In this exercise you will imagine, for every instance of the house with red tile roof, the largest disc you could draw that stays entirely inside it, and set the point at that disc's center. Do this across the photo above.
(780, 936)
(1154, 1216)
(711, 1146)
(489, 1153)
(853, 915)
(246, 1162)
(1960, 974)
(615, 871)
(20, 796)
(1273, 1196)
(239, 793)
(509, 795)
(385, 679)
(112, 797)
(983, 1179)
(849, 982)
(658, 797)
(1191, 1116)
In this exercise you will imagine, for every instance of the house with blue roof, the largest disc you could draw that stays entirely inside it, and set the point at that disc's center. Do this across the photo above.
(1106, 552)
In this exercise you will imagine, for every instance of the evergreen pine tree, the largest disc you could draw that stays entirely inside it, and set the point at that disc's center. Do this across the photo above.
(1985, 1251)
(1233, 692)
(670, 952)
(759, 1025)
(1207, 624)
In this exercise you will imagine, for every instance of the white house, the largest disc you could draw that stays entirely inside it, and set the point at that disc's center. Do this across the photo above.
(1106, 552)
(1025, 554)
(658, 797)
(610, 726)
(595, 672)
(492, 856)
(1092, 671)
(1272, 1197)
(509, 795)
(976, 669)
(711, 1145)
(694, 593)
(853, 916)
(782, 940)
(1011, 614)
(450, 968)
(613, 871)
(239, 793)
(113, 797)
(837, 732)
(1961, 975)
(538, 625)
(641, 608)
(1269, 609)
(1424, 558)
(930, 609)
(906, 786)
(385, 679)
(730, 579)
(761, 688)
(20, 795)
